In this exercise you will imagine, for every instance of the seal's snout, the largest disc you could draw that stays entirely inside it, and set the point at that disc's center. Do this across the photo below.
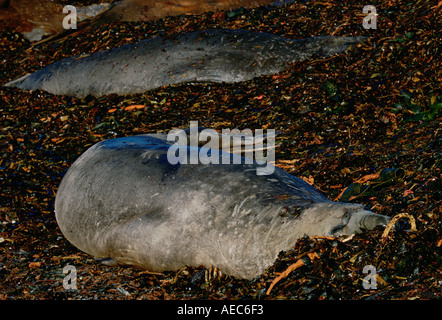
(371, 220)
(356, 219)
(360, 219)
(325, 46)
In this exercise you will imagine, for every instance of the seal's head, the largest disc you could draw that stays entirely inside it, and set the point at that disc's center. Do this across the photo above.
(358, 219)
(339, 219)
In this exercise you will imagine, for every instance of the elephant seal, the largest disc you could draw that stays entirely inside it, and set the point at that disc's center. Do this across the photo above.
(217, 55)
(122, 200)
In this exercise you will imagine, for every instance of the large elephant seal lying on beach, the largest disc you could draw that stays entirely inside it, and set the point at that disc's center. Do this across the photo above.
(123, 200)
(202, 56)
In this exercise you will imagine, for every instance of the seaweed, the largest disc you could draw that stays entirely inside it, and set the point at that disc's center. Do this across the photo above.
(379, 108)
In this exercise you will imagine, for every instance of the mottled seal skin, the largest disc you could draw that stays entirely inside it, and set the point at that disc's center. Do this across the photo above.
(217, 55)
(123, 200)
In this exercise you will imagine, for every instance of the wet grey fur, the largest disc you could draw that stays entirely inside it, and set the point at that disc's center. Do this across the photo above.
(124, 202)
(202, 56)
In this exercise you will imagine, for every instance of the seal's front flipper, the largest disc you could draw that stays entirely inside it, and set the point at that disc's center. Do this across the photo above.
(107, 261)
